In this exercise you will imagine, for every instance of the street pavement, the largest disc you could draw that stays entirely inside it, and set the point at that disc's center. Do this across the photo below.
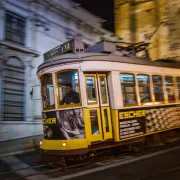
(157, 163)
(159, 167)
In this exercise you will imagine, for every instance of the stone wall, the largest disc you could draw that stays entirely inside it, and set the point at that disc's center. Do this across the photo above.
(173, 11)
(20, 145)
(154, 21)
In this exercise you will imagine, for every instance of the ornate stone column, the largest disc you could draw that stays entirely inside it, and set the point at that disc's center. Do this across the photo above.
(28, 101)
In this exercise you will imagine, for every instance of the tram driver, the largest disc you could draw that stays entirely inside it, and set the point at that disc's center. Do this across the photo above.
(71, 96)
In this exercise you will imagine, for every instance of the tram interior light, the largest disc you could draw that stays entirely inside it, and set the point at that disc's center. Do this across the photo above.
(75, 76)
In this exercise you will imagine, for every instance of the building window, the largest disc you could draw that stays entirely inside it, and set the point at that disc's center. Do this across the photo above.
(15, 28)
(13, 90)
(128, 89)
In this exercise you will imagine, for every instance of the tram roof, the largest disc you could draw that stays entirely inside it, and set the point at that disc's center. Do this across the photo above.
(89, 56)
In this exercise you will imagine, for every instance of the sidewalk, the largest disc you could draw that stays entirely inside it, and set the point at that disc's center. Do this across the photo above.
(19, 146)
(20, 165)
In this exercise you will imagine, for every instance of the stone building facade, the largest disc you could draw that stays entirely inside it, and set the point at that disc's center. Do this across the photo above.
(153, 21)
(28, 28)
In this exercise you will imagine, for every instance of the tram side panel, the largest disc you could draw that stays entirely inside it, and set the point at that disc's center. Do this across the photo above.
(137, 122)
(61, 127)
(116, 100)
(132, 122)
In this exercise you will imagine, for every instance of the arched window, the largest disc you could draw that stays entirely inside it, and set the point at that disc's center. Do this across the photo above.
(13, 90)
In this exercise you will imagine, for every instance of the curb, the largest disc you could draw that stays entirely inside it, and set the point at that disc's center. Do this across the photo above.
(18, 152)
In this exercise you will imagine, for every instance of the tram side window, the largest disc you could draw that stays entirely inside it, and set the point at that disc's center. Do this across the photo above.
(103, 89)
(170, 88)
(128, 89)
(178, 86)
(68, 86)
(94, 122)
(91, 90)
(47, 92)
(144, 88)
(158, 88)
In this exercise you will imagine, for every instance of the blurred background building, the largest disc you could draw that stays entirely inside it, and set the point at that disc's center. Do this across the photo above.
(153, 21)
(28, 28)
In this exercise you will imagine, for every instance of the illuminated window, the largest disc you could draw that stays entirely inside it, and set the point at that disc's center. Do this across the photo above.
(94, 122)
(91, 89)
(68, 86)
(47, 92)
(158, 88)
(170, 88)
(102, 81)
(144, 88)
(128, 89)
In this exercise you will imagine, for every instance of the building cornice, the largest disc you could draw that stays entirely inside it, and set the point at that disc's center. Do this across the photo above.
(20, 48)
(71, 13)
(66, 12)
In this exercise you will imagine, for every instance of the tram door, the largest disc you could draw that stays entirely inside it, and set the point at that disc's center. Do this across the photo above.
(98, 112)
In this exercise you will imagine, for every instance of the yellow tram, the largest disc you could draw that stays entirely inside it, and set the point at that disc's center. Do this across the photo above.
(96, 98)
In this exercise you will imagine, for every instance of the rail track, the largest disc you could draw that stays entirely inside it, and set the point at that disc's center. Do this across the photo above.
(62, 166)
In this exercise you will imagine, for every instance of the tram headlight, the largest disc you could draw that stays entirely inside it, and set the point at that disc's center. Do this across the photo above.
(41, 143)
(64, 144)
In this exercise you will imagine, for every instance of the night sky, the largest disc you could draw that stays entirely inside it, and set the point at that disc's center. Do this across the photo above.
(102, 8)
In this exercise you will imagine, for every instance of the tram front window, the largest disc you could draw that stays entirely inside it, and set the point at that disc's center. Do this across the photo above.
(68, 86)
(47, 92)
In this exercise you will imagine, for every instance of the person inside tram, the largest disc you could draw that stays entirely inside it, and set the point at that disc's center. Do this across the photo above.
(158, 93)
(171, 97)
(71, 96)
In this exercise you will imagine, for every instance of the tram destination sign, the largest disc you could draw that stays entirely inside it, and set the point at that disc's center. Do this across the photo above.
(61, 49)
(73, 46)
